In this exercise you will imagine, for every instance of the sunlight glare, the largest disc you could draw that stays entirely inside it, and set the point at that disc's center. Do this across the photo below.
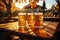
(20, 5)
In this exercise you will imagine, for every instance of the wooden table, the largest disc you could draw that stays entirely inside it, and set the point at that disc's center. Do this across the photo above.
(48, 26)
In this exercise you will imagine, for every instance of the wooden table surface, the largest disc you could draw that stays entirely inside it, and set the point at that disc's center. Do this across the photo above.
(49, 27)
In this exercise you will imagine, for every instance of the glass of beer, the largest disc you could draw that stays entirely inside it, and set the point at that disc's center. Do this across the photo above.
(38, 19)
(30, 20)
(21, 21)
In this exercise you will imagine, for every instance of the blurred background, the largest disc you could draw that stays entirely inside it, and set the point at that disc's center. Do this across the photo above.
(9, 9)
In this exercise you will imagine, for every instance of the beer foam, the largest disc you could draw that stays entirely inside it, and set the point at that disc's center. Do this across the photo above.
(21, 13)
(30, 13)
(38, 13)
(21, 26)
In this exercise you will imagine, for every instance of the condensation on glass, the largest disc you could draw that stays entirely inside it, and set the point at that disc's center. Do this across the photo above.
(33, 20)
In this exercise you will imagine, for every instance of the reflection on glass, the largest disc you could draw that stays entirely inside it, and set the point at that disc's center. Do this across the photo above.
(22, 21)
(30, 20)
(38, 19)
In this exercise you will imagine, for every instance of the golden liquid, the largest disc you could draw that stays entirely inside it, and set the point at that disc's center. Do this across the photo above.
(22, 22)
(30, 20)
(38, 19)
(33, 21)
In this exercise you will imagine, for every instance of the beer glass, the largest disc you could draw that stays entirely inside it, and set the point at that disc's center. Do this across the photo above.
(30, 20)
(38, 19)
(21, 21)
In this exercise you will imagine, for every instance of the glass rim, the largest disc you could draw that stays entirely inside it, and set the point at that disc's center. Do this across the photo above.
(21, 13)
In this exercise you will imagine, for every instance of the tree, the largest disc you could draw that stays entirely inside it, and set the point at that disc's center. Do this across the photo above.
(44, 6)
(58, 1)
(2, 6)
(8, 6)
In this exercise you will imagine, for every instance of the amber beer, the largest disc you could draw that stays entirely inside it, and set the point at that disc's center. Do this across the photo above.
(38, 19)
(30, 20)
(21, 21)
